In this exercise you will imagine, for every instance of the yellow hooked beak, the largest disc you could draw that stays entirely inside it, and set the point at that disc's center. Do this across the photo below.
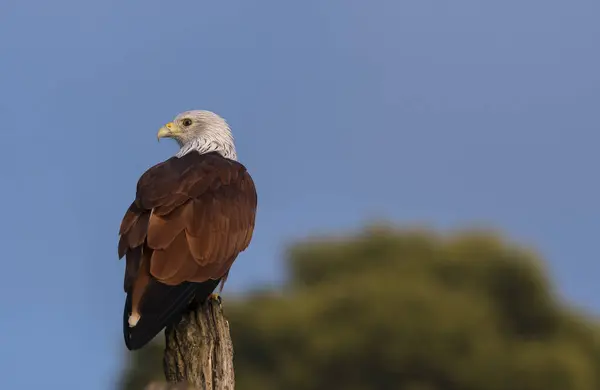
(167, 131)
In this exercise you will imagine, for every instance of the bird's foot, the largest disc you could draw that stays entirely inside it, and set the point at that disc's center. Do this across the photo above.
(216, 297)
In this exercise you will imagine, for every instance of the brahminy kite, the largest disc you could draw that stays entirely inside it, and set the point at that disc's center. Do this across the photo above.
(192, 215)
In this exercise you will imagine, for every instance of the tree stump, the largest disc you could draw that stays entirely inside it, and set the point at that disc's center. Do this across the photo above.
(199, 350)
(168, 386)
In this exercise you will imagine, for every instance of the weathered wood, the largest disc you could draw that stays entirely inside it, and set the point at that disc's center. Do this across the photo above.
(199, 350)
(168, 386)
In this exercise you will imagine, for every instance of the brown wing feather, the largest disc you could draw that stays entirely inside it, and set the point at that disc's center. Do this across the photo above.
(132, 265)
(137, 234)
(166, 262)
(164, 228)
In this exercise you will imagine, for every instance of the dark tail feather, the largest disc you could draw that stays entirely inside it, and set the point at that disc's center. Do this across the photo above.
(161, 305)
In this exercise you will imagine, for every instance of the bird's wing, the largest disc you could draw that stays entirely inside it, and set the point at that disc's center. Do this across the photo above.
(190, 219)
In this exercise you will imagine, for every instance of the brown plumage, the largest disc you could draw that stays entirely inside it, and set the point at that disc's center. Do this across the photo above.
(191, 217)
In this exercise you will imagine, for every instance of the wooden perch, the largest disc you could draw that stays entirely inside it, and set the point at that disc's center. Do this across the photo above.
(199, 350)
(168, 386)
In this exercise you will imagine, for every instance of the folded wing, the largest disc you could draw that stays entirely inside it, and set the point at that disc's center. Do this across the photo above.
(191, 217)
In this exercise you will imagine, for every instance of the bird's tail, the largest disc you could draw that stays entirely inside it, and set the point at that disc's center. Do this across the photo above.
(161, 306)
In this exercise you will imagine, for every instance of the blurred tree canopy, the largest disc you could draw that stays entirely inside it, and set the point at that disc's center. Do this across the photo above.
(410, 310)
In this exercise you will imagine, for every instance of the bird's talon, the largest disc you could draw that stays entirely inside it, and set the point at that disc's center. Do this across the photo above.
(216, 297)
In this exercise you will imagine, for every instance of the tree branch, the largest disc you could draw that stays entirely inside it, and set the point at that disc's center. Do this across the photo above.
(199, 350)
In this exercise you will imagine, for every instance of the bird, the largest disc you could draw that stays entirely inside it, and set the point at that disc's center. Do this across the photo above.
(192, 215)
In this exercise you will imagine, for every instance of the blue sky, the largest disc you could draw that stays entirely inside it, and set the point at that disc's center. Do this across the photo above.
(440, 113)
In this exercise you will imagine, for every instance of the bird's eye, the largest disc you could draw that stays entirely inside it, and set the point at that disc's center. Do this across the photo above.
(186, 122)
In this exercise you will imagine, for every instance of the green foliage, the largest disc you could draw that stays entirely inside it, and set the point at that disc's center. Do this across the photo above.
(409, 310)
(144, 366)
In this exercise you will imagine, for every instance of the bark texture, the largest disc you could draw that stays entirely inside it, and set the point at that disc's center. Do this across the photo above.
(168, 386)
(199, 350)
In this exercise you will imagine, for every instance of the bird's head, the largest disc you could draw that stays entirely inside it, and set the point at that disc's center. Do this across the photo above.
(200, 130)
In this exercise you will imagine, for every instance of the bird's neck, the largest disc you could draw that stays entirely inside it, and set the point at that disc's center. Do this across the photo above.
(224, 147)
